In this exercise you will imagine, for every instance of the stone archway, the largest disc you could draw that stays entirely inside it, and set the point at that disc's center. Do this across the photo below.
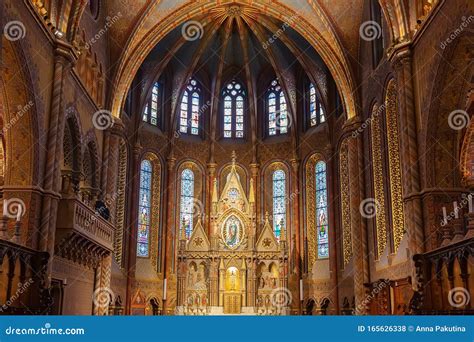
(322, 38)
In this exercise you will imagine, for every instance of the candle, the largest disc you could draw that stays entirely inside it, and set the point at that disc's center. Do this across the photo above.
(5, 207)
(301, 289)
(164, 289)
(445, 216)
(456, 209)
(471, 209)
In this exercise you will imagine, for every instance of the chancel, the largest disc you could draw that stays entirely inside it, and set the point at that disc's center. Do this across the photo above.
(237, 157)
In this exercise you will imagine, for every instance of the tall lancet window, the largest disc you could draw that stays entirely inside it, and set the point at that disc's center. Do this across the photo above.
(276, 110)
(187, 201)
(316, 111)
(144, 209)
(233, 97)
(322, 225)
(189, 118)
(279, 202)
(152, 110)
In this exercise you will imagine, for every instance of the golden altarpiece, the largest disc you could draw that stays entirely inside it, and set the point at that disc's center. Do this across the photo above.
(236, 268)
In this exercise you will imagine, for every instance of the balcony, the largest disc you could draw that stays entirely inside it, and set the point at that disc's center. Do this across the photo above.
(82, 235)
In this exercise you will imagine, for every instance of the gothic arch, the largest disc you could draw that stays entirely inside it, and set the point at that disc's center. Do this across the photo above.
(326, 44)
(443, 139)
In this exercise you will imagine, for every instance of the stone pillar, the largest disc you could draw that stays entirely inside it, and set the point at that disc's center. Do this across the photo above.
(171, 230)
(409, 157)
(211, 176)
(102, 292)
(221, 282)
(214, 283)
(358, 224)
(295, 210)
(133, 224)
(243, 271)
(113, 135)
(63, 60)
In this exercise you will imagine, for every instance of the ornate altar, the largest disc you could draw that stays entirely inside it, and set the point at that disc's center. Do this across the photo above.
(233, 269)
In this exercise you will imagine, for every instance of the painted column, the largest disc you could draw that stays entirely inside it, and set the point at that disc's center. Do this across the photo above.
(133, 224)
(170, 233)
(295, 210)
(358, 224)
(409, 157)
(64, 59)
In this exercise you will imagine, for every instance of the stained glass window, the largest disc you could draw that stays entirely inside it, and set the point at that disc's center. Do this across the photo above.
(276, 110)
(316, 110)
(279, 202)
(151, 111)
(187, 201)
(144, 209)
(190, 109)
(233, 115)
(322, 225)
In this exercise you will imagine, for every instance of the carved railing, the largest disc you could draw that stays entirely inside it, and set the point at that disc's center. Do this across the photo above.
(82, 234)
(23, 275)
(443, 275)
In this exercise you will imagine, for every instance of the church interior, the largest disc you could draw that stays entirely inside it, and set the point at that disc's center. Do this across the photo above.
(237, 157)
